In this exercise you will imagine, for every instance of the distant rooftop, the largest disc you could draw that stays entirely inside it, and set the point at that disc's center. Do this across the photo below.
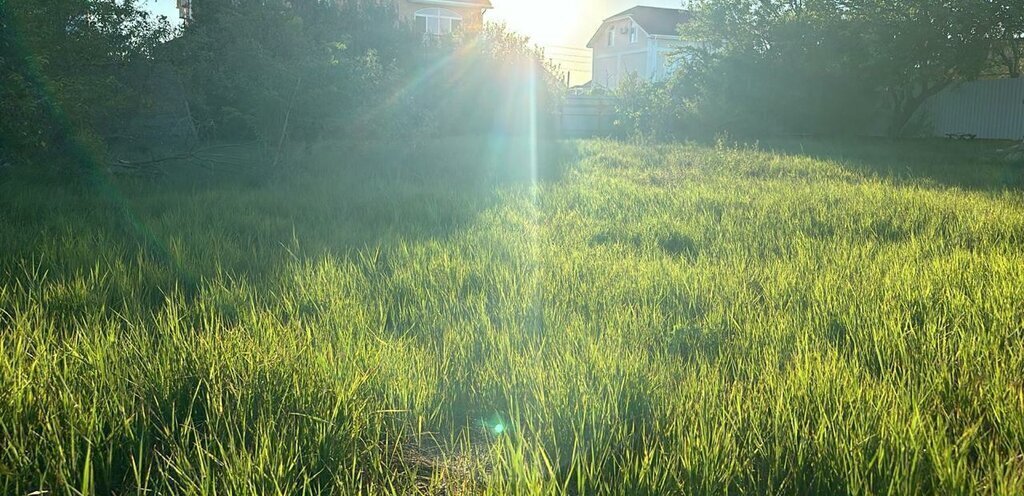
(656, 21)
(486, 4)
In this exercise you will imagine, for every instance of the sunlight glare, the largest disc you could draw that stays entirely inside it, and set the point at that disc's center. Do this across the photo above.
(545, 22)
(534, 133)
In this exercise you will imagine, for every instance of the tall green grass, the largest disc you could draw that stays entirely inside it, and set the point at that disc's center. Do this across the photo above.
(819, 319)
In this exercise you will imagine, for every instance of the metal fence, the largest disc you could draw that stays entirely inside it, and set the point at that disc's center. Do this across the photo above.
(987, 109)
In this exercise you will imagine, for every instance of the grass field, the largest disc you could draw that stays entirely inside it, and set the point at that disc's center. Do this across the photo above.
(825, 318)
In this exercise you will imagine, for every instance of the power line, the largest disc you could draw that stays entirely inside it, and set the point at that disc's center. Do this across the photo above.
(565, 47)
(586, 56)
(580, 67)
(573, 63)
(578, 62)
(568, 56)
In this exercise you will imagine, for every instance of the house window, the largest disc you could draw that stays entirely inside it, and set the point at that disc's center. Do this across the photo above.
(185, 9)
(633, 35)
(611, 36)
(437, 22)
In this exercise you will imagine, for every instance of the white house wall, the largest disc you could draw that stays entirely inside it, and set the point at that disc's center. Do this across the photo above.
(612, 63)
(663, 54)
(650, 57)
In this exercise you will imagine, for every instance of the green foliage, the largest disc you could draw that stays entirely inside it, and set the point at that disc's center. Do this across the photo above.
(645, 110)
(825, 318)
(829, 67)
(316, 63)
(1005, 21)
(492, 83)
(917, 49)
(64, 69)
(349, 70)
(785, 85)
(285, 71)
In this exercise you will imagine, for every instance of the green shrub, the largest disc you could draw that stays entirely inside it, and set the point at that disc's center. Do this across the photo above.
(65, 78)
(645, 110)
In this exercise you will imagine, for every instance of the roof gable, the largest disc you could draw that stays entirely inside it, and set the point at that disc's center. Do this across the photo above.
(655, 21)
(483, 4)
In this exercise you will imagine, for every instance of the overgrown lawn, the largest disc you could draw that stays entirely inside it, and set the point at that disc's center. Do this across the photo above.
(825, 318)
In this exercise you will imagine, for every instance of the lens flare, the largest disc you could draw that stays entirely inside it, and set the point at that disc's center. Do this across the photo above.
(394, 101)
(534, 132)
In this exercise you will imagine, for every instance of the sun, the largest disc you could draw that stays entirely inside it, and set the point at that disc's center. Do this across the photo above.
(546, 22)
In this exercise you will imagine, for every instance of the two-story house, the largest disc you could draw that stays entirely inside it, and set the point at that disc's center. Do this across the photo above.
(442, 17)
(436, 17)
(638, 41)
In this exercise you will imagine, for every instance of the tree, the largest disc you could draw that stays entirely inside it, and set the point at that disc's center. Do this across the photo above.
(644, 109)
(773, 67)
(826, 65)
(283, 71)
(1006, 23)
(65, 66)
(247, 69)
(298, 70)
(917, 48)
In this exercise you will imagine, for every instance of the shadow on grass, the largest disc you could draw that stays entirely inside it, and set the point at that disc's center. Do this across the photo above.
(335, 199)
(976, 165)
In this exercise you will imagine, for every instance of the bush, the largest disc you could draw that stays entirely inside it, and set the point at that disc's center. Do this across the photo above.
(646, 110)
(304, 70)
(65, 75)
(747, 95)
(288, 72)
(491, 83)
(829, 67)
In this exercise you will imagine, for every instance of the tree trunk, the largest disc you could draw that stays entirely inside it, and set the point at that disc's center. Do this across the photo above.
(905, 108)
(1011, 56)
(1010, 59)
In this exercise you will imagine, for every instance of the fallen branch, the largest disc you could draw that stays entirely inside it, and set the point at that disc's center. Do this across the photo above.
(198, 156)
(1014, 153)
(284, 128)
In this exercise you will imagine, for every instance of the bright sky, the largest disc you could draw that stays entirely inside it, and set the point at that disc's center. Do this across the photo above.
(163, 7)
(563, 22)
(563, 27)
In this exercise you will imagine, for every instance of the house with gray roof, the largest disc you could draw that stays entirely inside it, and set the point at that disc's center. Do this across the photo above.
(640, 41)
